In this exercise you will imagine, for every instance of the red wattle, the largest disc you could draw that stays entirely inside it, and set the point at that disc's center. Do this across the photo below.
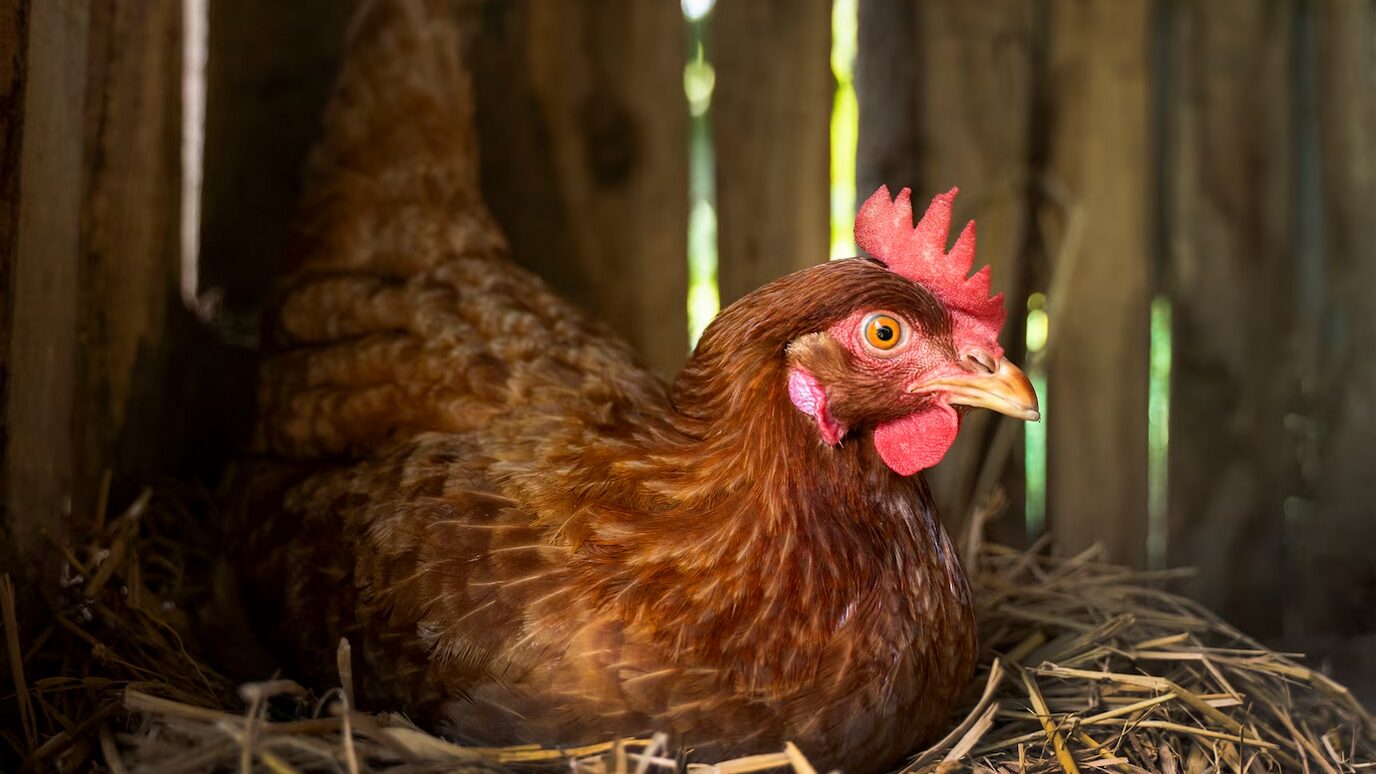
(917, 441)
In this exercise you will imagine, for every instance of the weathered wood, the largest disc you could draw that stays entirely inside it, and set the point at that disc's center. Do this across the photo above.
(269, 69)
(1098, 152)
(974, 104)
(134, 361)
(43, 346)
(886, 85)
(14, 38)
(771, 118)
(583, 132)
(1333, 579)
(1228, 184)
(946, 100)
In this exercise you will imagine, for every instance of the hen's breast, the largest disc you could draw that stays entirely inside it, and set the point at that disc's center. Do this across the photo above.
(468, 615)
(873, 700)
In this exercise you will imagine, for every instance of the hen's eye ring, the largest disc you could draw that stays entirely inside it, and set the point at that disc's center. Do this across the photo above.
(882, 331)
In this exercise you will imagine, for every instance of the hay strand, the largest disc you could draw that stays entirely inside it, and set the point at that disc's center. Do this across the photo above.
(1043, 714)
(15, 655)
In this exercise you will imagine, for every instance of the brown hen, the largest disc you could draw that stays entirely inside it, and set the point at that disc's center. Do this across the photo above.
(529, 538)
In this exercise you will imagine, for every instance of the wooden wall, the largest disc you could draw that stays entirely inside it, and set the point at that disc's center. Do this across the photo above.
(1334, 526)
(91, 117)
(584, 134)
(1227, 181)
(771, 118)
(1217, 154)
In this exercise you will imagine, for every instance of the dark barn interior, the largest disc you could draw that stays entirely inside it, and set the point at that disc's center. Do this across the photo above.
(1175, 197)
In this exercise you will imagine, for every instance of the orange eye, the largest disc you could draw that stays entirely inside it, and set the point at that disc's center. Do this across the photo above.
(883, 332)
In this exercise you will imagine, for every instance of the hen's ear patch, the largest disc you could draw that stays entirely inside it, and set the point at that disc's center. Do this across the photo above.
(810, 397)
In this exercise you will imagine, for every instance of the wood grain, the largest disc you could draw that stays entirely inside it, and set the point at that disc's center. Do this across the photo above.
(1098, 152)
(1333, 578)
(886, 84)
(43, 346)
(583, 130)
(131, 228)
(771, 118)
(1228, 179)
(14, 37)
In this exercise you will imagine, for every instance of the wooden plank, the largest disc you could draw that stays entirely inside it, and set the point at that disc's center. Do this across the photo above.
(14, 38)
(95, 270)
(771, 118)
(43, 346)
(1334, 578)
(270, 66)
(975, 109)
(1098, 153)
(129, 271)
(887, 74)
(1228, 190)
(583, 128)
(946, 100)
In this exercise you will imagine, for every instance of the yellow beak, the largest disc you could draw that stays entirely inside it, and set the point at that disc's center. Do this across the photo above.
(1006, 391)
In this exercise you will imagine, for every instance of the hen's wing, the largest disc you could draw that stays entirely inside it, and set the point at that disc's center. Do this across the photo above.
(460, 605)
(414, 557)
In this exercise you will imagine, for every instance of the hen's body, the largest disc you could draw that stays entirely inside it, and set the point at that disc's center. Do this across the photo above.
(527, 537)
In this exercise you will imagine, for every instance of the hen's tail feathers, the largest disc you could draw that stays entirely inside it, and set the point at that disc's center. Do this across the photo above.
(393, 186)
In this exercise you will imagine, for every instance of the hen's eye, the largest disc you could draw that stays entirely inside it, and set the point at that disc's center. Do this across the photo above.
(883, 332)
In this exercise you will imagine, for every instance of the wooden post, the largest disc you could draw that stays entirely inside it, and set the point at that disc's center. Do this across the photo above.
(771, 119)
(14, 40)
(1099, 153)
(1228, 188)
(946, 100)
(583, 131)
(130, 259)
(49, 81)
(887, 73)
(1335, 572)
(93, 271)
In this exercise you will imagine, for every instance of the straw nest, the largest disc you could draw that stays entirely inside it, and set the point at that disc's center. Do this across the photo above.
(1087, 666)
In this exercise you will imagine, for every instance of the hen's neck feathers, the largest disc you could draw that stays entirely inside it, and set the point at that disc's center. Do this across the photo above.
(736, 538)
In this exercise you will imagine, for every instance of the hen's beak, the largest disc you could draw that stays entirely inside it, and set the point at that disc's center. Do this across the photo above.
(1006, 391)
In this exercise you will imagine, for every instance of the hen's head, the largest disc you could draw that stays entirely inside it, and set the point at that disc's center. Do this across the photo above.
(895, 348)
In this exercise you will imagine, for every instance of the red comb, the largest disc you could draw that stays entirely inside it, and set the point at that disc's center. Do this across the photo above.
(884, 229)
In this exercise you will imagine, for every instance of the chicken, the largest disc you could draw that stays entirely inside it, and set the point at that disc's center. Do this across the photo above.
(527, 537)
